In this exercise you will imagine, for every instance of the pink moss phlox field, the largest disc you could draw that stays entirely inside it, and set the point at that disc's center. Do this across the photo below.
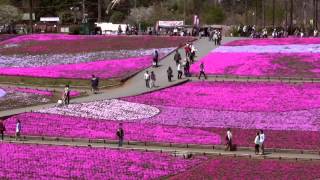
(240, 168)
(270, 41)
(235, 96)
(102, 69)
(43, 56)
(261, 64)
(272, 106)
(73, 93)
(34, 91)
(26, 162)
(288, 57)
(43, 37)
(37, 124)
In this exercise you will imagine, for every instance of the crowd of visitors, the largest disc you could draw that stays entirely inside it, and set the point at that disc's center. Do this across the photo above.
(276, 32)
(215, 36)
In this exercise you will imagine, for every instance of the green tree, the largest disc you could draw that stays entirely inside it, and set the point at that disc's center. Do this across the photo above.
(213, 15)
(117, 17)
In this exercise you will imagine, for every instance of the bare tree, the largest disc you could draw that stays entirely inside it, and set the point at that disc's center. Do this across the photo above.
(112, 4)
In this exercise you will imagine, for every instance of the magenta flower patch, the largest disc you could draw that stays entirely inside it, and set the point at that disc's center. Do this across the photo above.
(43, 56)
(241, 168)
(60, 162)
(293, 57)
(37, 124)
(271, 41)
(273, 106)
(102, 69)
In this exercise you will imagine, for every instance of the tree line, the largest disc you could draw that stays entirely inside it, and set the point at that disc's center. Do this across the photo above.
(230, 12)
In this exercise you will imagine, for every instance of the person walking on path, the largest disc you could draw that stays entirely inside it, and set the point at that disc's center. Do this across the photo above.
(192, 53)
(187, 69)
(2, 129)
(169, 73)
(177, 57)
(152, 80)
(120, 135)
(229, 140)
(262, 140)
(202, 73)
(67, 95)
(18, 129)
(94, 84)
(155, 58)
(215, 38)
(187, 50)
(257, 143)
(146, 78)
(179, 69)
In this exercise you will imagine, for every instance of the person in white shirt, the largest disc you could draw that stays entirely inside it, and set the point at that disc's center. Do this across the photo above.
(18, 129)
(146, 77)
(257, 143)
(262, 140)
(229, 140)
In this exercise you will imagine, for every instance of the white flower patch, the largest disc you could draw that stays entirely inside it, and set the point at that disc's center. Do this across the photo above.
(108, 109)
(2, 93)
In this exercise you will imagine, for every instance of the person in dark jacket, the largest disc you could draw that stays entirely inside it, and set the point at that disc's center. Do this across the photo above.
(177, 57)
(169, 73)
(155, 58)
(202, 71)
(94, 84)
(120, 135)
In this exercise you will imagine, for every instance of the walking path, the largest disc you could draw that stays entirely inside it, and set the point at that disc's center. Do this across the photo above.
(136, 84)
(174, 149)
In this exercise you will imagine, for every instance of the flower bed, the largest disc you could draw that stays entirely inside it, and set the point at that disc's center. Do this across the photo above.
(30, 61)
(58, 162)
(2, 93)
(103, 69)
(51, 44)
(15, 97)
(37, 124)
(249, 59)
(288, 112)
(236, 96)
(4, 37)
(106, 109)
(240, 168)
(271, 41)
(81, 56)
